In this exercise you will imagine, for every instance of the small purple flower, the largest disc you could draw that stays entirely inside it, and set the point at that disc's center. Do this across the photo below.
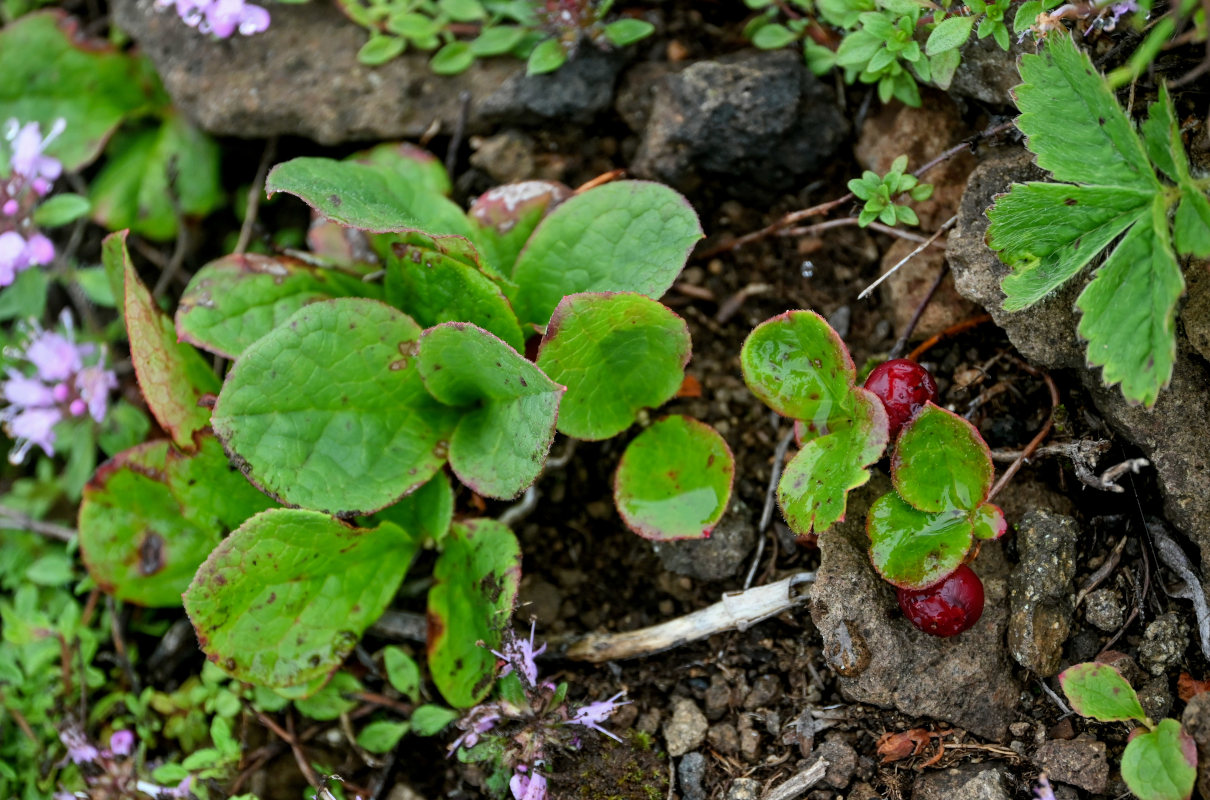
(479, 721)
(220, 17)
(29, 160)
(527, 787)
(1042, 790)
(519, 655)
(593, 714)
(78, 748)
(121, 742)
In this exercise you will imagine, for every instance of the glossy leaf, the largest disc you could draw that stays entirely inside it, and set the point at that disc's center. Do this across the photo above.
(913, 549)
(674, 480)
(989, 522)
(48, 71)
(232, 302)
(328, 411)
(1099, 691)
(425, 513)
(152, 514)
(150, 173)
(617, 354)
(629, 236)
(941, 462)
(505, 217)
(285, 597)
(1161, 764)
(476, 579)
(433, 288)
(173, 376)
(502, 440)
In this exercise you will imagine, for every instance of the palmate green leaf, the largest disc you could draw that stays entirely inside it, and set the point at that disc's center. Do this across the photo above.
(1161, 764)
(328, 410)
(232, 302)
(1099, 691)
(628, 236)
(510, 406)
(617, 354)
(152, 514)
(674, 480)
(913, 549)
(285, 597)
(941, 462)
(476, 579)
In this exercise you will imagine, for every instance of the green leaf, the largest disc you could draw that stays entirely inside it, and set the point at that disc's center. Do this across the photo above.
(1191, 225)
(505, 217)
(402, 672)
(152, 514)
(172, 375)
(989, 522)
(426, 512)
(949, 34)
(617, 354)
(453, 58)
(943, 66)
(367, 197)
(941, 462)
(60, 210)
(1161, 764)
(327, 700)
(433, 288)
(501, 442)
(49, 72)
(476, 579)
(26, 296)
(773, 37)
(462, 10)
(379, 49)
(1099, 691)
(1027, 15)
(548, 56)
(497, 40)
(381, 736)
(328, 411)
(628, 236)
(857, 49)
(429, 720)
(674, 480)
(1162, 138)
(285, 597)
(820, 59)
(628, 31)
(1130, 310)
(913, 549)
(232, 302)
(150, 172)
(413, 165)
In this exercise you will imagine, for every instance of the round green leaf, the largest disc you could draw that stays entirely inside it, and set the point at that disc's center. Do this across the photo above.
(328, 411)
(941, 462)
(497, 40)
(674, 480)
(813, 490)
(430, 719)
(285, 597)
(502, 440)
(476, 579)
(505, 217)
(151, 515)
(989, 522)
(913, 549)
(1161, 764)
(232, 302)
(414, 165)
(628, 236)
(616, 354)
(382, 735)
(60, 210)
(1099, 691)
(402, 672)
(453, 58)
(548, 56)
(773, 37)
(380, 49)
(949, 34)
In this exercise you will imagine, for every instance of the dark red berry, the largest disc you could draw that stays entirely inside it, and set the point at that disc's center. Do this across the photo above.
(947, 607)
(904, 388)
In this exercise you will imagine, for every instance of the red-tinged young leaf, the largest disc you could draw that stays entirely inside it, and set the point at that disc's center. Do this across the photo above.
(504, 218)
(1161, 764)
(476, 579)
(813, 490)
(173, 376)
(674, 480)
(941, 462)
(285, 598)
(989, 521)
(510, 407)
(339, 245)
(914, 549)
(1099, 691)
(617, 354)
(232, 302)
(152, 514)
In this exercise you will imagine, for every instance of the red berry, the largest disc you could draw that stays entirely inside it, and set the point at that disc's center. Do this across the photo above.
(904, 388)
(947, 607)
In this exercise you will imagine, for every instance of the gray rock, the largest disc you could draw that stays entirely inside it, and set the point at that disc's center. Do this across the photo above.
(1155, 697)
(744, 789)
(987, 73)
(577, 92)
(719, 556)
(762, 117)
(1046, 334)
(881, 659)
(1039, 591)
(968, 782)
(1196, 314)
(1103, 608)
(1080, 762)
(1196, 722)
(842, 762)
(764, 691)
(724, 738)
(1164, 643)
(690, 774)
(685, 730)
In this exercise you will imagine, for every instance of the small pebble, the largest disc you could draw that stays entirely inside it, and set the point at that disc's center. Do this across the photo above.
(1103, 609)
(1164, 643)
(744, 789)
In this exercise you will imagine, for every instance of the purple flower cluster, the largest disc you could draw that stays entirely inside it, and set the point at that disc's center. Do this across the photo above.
(30, 177)
(62, 386)
(113, 770)
(542, 722)
(220, 17)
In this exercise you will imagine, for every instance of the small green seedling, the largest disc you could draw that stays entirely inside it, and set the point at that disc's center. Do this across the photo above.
(1160, 761)
(879, 193)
